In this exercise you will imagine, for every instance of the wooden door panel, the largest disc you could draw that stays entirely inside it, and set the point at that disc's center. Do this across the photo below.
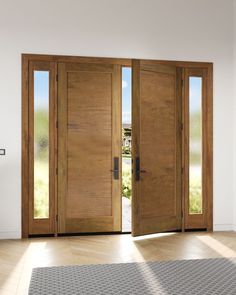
(157, 142)
(89, 144)
(86, 225)
(89, 199)
(160, 168)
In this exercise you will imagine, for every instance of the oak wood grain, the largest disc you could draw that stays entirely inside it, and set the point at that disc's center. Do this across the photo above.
(89, 139)
(157, 141)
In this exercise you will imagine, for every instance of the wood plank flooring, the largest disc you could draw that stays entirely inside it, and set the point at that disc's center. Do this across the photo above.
(18, 257)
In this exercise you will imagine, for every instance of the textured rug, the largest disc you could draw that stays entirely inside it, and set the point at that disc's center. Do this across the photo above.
(188, 277)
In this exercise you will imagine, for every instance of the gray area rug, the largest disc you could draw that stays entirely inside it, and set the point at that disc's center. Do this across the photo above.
(206, 276)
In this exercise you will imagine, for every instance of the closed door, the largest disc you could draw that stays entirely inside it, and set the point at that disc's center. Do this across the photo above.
(156, 126)
(89, 152)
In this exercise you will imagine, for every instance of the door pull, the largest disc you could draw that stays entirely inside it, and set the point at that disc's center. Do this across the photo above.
(137, 169)
(116, 170)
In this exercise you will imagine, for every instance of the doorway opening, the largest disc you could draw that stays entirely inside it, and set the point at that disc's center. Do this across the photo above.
(126, 148)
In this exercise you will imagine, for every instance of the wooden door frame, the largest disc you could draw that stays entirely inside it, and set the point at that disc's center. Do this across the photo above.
(125, 62)
(43, 225)
(25, 159)
(203, 220)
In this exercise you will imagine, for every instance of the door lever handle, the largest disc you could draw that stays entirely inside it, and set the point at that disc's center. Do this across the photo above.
(138, 170)
(116, 170)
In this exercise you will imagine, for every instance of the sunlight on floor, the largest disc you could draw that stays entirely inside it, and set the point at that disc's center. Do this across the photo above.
(150, 279)
(12, 275)
(153, 236)
(217, 246)
(128, 250)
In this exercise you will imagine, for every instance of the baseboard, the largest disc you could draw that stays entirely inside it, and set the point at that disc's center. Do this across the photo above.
(223, 227)
(10, 235)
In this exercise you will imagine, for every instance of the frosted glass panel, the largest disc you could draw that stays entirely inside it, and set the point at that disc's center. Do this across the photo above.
(195, 145)
(41, 144)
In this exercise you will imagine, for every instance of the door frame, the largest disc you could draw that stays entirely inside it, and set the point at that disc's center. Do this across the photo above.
(26, 58)
(26, 159)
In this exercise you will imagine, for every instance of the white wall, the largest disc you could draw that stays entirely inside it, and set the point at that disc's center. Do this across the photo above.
(195, 30)
(234, 63)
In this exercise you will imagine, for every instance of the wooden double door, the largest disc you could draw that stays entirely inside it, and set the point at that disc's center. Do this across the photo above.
(86, 174)
(89, 150)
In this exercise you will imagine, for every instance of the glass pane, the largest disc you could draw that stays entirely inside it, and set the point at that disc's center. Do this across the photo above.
(195, 145)
(126, 149)
(41, 144)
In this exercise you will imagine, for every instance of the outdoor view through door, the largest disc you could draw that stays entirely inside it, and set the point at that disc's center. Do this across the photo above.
(126, 149)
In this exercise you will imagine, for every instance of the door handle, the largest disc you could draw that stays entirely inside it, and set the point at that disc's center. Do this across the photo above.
(116, 170)
(137, 169)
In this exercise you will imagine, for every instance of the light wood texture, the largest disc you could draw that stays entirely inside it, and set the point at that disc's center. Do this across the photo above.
(19, 257)
(79, 59)
(157, 141)
(209, 147)
(203, 220)
(116, 146)
(112, 60)
(89, 139)
(25, 147)
(46, 225)
(136, 185)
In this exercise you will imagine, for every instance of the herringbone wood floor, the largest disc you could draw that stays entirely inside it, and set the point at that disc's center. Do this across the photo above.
(18, 257)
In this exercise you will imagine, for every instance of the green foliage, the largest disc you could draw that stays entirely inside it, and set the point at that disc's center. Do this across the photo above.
(195, 195)
(41, 133)
(195, 192)
(126, 150)
(126, 132)
(195, 158)
(41, 177)
(195, 125)
(126, 181)
(41, 190)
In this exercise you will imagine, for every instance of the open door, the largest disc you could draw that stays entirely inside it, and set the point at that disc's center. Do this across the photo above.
(89, 153)
(156, 147)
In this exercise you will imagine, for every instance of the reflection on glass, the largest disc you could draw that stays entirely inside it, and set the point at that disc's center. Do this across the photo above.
(41, 144)
(126, 149)
(195, 145)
